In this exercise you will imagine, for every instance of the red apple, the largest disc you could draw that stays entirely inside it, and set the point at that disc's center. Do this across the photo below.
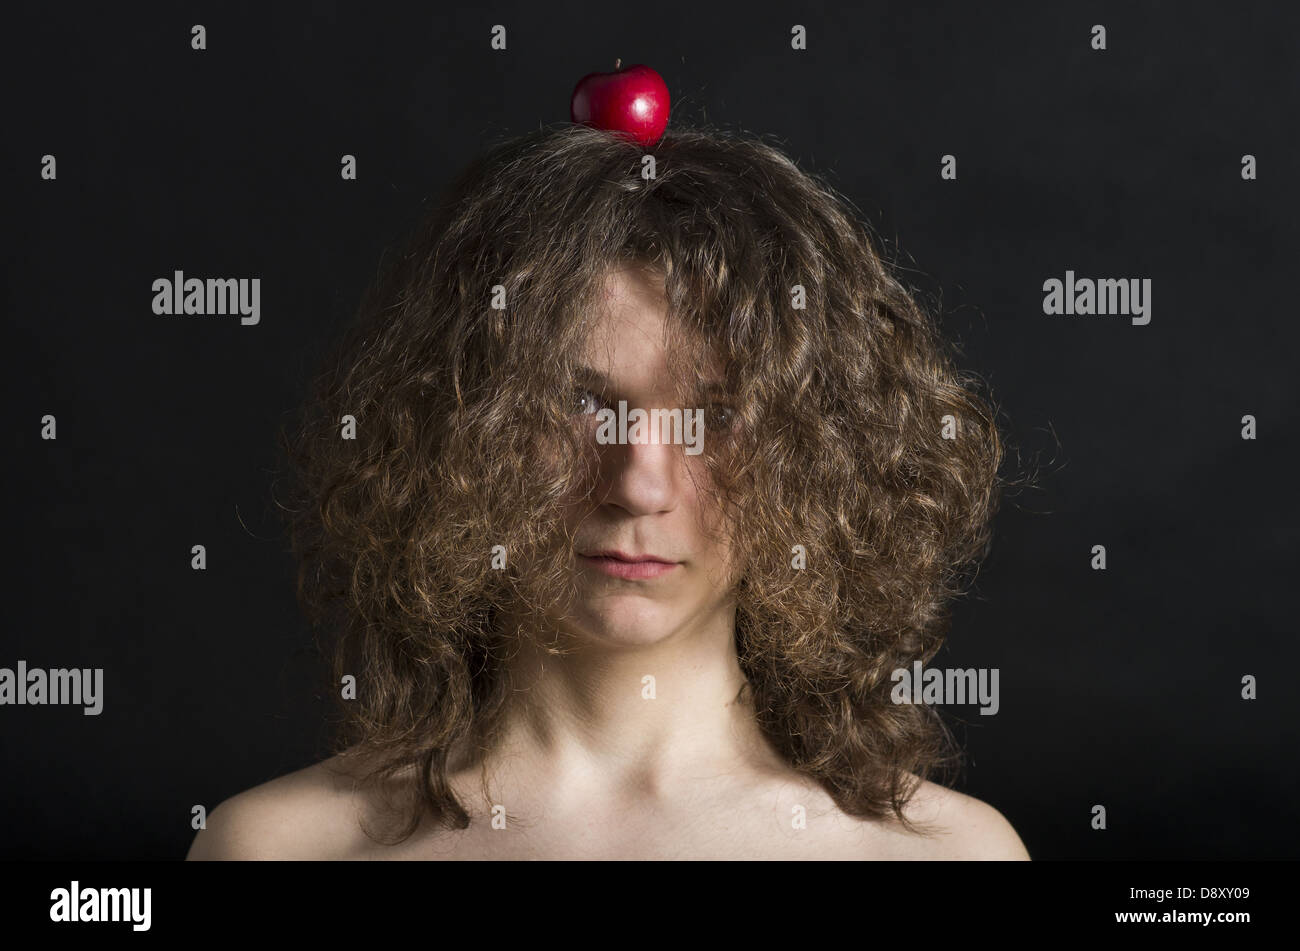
(631, 102)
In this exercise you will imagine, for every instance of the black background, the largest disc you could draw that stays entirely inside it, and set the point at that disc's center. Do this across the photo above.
(1118, 687)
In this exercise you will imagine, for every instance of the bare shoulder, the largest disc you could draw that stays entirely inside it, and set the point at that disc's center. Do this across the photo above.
(313, 813)
(961, 827)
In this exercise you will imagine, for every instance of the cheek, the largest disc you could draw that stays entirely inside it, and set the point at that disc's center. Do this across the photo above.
(575, 512)
(700, 496)
(566, 457)
(711, 527)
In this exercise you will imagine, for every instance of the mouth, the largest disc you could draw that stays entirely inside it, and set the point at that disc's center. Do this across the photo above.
(618, 564)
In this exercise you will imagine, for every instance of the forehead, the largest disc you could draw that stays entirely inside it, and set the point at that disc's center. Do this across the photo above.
(630, 311)
(632, 334)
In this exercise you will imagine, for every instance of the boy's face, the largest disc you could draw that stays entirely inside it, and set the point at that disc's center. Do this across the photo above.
(651, 557)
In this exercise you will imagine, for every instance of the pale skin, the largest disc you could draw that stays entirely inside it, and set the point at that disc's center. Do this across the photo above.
(590, 767)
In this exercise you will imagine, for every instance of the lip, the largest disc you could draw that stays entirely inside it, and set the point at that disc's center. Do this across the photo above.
(619, 564)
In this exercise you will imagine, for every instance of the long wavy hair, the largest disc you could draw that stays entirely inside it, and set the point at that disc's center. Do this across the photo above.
(431, 436)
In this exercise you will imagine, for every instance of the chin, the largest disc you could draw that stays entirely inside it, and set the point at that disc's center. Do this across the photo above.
(625, 621)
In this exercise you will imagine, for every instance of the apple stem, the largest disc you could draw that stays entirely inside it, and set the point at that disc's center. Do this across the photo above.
(617, 63)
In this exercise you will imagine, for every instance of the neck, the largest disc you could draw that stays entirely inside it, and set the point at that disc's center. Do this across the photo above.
(591, 720)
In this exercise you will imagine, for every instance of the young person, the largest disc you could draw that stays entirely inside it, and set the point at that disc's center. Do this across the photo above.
(573, 633)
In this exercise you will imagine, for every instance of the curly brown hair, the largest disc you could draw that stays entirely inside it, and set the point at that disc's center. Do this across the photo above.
(841, 449)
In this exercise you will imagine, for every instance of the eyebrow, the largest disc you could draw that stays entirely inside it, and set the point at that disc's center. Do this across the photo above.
(599, 381)
(595, 378)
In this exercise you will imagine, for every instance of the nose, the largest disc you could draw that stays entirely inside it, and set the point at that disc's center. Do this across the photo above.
(641, 478)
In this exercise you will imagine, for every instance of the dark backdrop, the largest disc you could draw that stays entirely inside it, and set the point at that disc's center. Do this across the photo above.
(1118, 687)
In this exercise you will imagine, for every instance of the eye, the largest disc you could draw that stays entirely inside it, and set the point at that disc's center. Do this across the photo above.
(719, 416)
(585, 402)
